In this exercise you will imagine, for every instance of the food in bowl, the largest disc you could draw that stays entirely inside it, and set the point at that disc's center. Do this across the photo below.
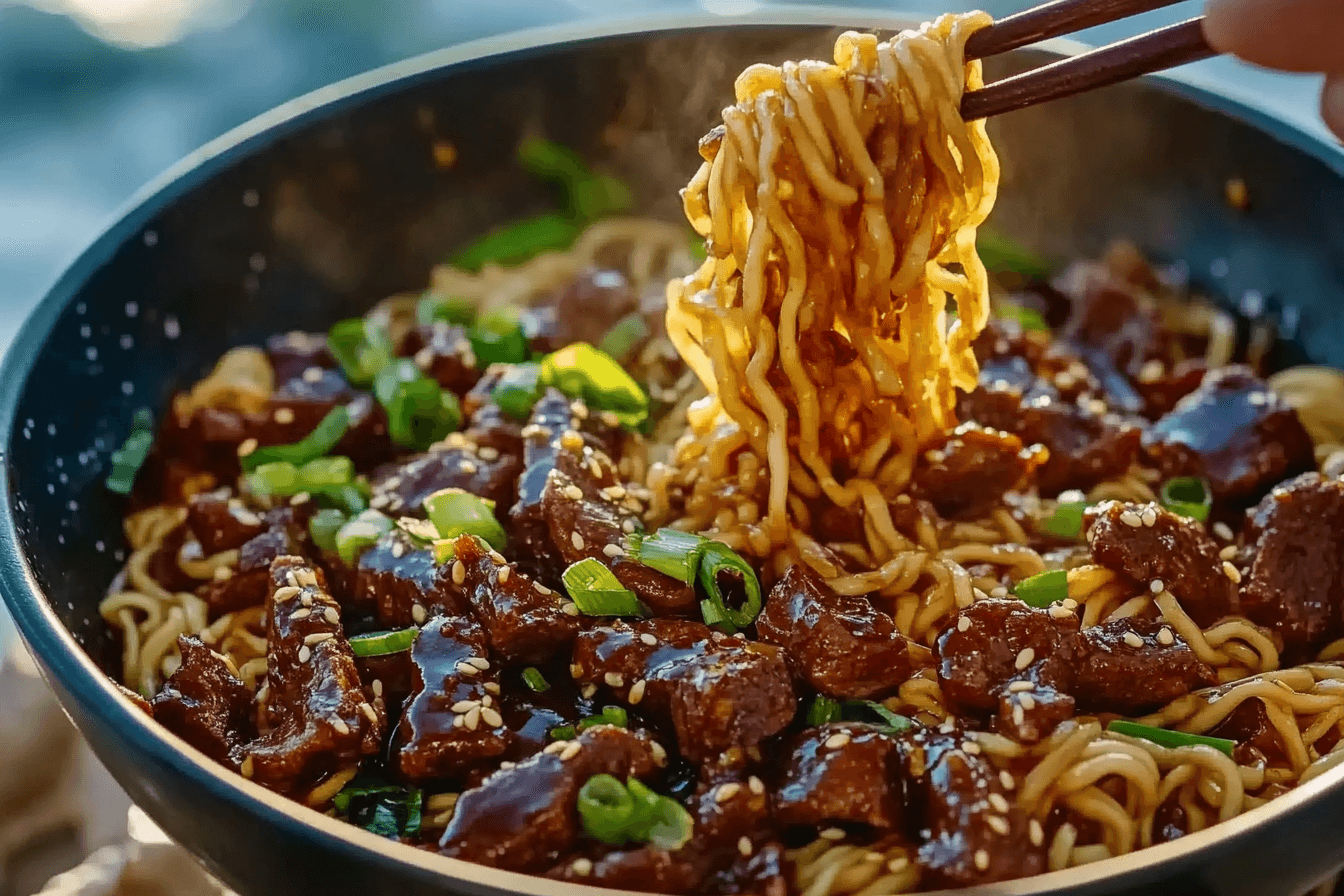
(788, 568)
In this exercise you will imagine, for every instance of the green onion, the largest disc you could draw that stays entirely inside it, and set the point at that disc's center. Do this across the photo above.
(518, 390)
(323, 527)
(670, 551)
(419, 412)
(564, 732)
(659, 820)
(533, 678)
(581, 371)
(610, 715)
(341, 801)
(1065, 522)
(421, 532)
(518, 241)
(498, 338)
(894, 723)
(452, 311)
(1044, 589)
(361, 532)
(625, 336)
(361, 348)
(323, 476)
(1003, 256)
(413, 803)
(1167, 738)
(552, 161)
(349, 499)
(394, 811)
(383, 643)
(589, 196)
(1188, 496)
(317, 443)
(718, 559)
(444, 549)
(606, 808)
(598, 197)
(127, 460)
(823, 710)
(1027, 318)
(597, 592)
(456, 512)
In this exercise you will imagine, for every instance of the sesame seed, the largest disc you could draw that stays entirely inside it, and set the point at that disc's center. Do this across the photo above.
(1019, 715)
(287, 592)
(300, 613)
(497, 558)
(1058, 611)
(492, 717)
(466, 466)
(615, 492)
(462, 706)
(306, 578)
(1232, 572)
(306, 600)
(506, 765)
(573, 492)
(419, 614)
(1007, 780)
(1019, 686)
(1027, 702)
(569, 609)
(998, 591)
(487, 453)
(1131, 519)
(1165, 637)
(628, 527)
(836, 741)
(998, 823)
(459, 572)
(982, 859)
(340, 725)
(246, 447)
(246, 768)
(479, 662)
(305, 654)
(472, 719)
(1223, 531)
(659, 754)
(331, 615)
(503, 575)
(577, 540)
(614, 679)
(317, 638)
(1036, 832)
(1228, 552)
(377, 687)
(557, 747)
(727, 792)
(1149, 516)
(1133, 639)
(492, 687)
(649, 639)
(486, 701)
(756, 785)
(637, 692)
(971, 747)
(398, 550)
(571, 440)
(898, 864)
(582, 867)
(744, 846)
(963, 623)
(1024, 659)
(369, 712)
(832, 834)
(571, 751)
(540, 588)
(467, 669)
(575, 670)
(999, 802)
(1157, 586)
(613, 550)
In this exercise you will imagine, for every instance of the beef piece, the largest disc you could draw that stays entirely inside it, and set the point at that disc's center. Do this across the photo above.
(526, 621)
(300, 404)
(1234, 432)
(1004, 339)
(524, 817)
(1250, 727)
(1295, 585)
(840, 773)
(387, 676)
(975, 832)
(451, 720)
(222, 523)
(401, 489)
(1163, 546)
(717, 692)
(444, 353)
(319, 721)
(766, 872)
(1107, 318)
(1162, 386)
(494, 434)
(532, 715)
(294, 352)
(840, 644)
(163, 565)
(401, 581)
(205, 704)
(996, 404)
(1086, 445)
(967, 473)
(541, 328)
(1006, 657)
(1115, 675)
(286, 535)
(588, 306)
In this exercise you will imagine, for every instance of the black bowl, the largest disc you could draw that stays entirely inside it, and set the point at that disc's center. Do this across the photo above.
(316, 210)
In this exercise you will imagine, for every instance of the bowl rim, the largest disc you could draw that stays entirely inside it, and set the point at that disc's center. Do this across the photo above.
(61, 657)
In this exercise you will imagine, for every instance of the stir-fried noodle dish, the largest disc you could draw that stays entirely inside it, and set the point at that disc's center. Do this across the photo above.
(787, 554)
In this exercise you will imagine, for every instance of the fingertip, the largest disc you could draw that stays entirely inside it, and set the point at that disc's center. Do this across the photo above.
(1222, 24)
(1332, 104)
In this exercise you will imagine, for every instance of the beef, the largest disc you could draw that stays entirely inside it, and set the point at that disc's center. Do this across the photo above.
(1147, 542)
(220, 522)
(294, 352)
(205, 704)
(399, 579)
(401, 488)
(842, 645)
(588, 306)
(966, 474)
(286, 535)
(318, 722)
(164, 566)
(975, 833)
(533, 715)
(387, 676)
(444, 353)
(1295, 585)
(1235, 432)
(1133, 666)
(840, 773)
(452, 719)
(526, 621)
(300, 403)
(716, 692)
(524, 817)
(494, 434)
(1162, 387)
(1257, 738)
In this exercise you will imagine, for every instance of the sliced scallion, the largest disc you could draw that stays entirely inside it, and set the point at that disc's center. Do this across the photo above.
(419, 412)
(717, 559)
(444, 549)
(598, 197)
(518, 241)
(659, 820)
(323, 438)
(616, 813)
(597, 592)
(456, 512)
(1043, 589)
(1001, 255)
(581, 371)
(1165, 738)
(892, 722)
(670, 551)
(360, 533)
(383, 643)
(533, 678)
(518, 390)
(610, 715)
(625, 335)
(1027, 318)
(361, 348)
(498, 338)
(323, 527)
(130, 457)
(823, 710)
(1188, 496)
(1066, 521)
(452, 311)
(606, 808)
(564, 732)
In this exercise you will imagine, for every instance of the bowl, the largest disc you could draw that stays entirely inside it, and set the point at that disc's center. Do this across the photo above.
(314, 211)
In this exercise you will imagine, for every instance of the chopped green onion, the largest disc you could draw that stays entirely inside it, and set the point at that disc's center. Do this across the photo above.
(498, 338)
(597, 592)
(659, 820)
(894, 723)
(419, 412)
(130, 457)
(518, 241)
(670, 551)
(589, 196)
(324, 472)
(1003, 256)
(1027, 318)
(323, 527)
(349, 499)
(361, 348)
(392, 377)
(323, 476)
(606, 808)
(718, 559)
(383, 643)
(698, 251)
(581, 371)
(1188, 496)
(1066, 521)
(533, 678)
(444, 549)
(598, 197)
(452, 311)
(823, 710)
(1173, 739)
(361, 532)
(414, 801)
(518, 390)
(610, 715)
(388, 810)
(625, 335)
(1043, 589)
(456, 512)
(317, 443)
(564, 732)
(421, 532)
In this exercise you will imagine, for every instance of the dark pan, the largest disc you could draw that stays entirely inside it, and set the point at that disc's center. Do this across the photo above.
(318, 209)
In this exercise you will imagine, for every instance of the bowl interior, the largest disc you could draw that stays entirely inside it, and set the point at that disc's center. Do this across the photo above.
(342, 209)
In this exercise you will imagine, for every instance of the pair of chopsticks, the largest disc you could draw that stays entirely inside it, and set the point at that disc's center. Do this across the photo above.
(1164, 48)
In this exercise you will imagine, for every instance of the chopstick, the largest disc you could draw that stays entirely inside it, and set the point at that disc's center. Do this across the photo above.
(1164, 48)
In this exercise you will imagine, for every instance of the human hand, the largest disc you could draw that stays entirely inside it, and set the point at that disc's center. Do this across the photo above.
(1292, 35)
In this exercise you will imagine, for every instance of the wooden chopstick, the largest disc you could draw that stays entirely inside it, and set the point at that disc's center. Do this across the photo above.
(1142, 55)
(1052, 20)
